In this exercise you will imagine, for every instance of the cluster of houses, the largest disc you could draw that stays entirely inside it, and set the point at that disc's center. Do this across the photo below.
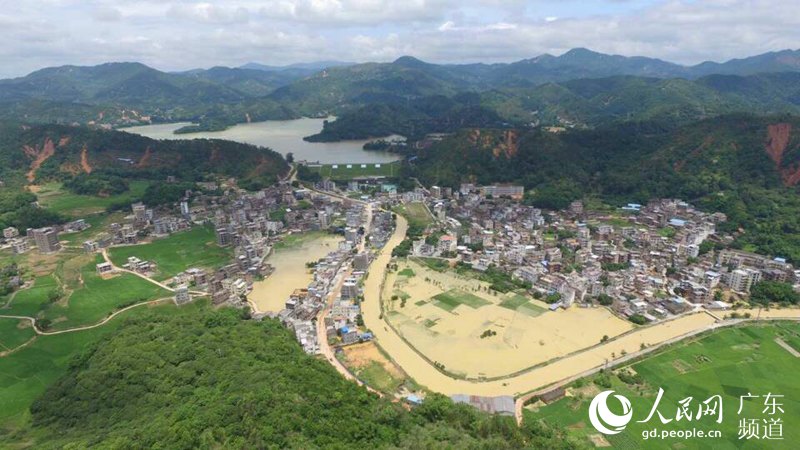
(45, 240)
(650, 260)
(337, 282)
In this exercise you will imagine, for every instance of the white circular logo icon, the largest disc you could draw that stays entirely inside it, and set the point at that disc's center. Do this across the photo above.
(606, 421)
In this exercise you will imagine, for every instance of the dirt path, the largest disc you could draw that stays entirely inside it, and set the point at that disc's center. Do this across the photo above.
(787, 347)
(17, 348)
(86, 327)
(144, 277)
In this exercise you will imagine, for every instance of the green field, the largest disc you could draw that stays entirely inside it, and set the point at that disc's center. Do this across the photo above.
(95, 298)
(377, 377)
(522, 304)
(13, 333)
(451, 299)
(342, 172)
(56, 198)
(98, 224)
(85, 297)
(24, 375)
(730, 363)
(513, 301)
(408, 272)
(178, 252)
(29, 302)
(416, 213)
(298, 239)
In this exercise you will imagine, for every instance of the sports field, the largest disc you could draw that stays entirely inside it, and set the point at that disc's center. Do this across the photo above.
(458, 322)
(416, 213)
(731, 363)
(350, 171)
(174, 254)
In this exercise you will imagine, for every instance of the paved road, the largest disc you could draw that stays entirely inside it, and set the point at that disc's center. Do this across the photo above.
(322, 337)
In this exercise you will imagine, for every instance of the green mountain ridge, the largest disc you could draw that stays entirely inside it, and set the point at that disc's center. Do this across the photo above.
(582, 103)
(132, 92)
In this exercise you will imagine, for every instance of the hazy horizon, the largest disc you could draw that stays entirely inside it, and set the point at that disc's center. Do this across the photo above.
(321, 62)
(177, 35)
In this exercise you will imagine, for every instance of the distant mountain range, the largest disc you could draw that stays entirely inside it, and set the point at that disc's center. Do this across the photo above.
(547, 89)
(311, 66)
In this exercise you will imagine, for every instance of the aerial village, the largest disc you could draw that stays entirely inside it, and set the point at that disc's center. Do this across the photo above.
(643, 263)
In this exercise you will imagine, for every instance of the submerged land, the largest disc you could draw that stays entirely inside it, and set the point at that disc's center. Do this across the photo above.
(319, 283)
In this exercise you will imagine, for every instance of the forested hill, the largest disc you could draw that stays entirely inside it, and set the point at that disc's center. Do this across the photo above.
(32, 154)
(579, 103)
(745, 166)
(535, 89)
(213, 380)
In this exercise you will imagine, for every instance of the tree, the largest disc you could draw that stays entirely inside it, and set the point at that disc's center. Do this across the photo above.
(605, 300)
(766, 292)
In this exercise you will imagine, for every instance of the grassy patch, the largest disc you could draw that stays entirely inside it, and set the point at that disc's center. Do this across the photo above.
(438, 265)
(25, 375)
(178, 252)
(377, 377)
(514, 301)
(407, 272)
(729, 363)
(96, 298)
(667, 232)
(98, 224)
(298, 239)
(14, 332)
(451, 299)
(55, 197)
(29, 302)
(531, 310)
(416, 213)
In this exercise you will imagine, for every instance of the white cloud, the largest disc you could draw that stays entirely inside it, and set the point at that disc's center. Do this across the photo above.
(181, 34)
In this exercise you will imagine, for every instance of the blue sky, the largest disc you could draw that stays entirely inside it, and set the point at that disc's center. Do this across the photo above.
(184, 34)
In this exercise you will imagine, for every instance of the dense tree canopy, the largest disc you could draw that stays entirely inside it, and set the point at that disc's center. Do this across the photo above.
(216, 380)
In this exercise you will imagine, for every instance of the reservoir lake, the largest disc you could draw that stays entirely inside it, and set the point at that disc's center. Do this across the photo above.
(283, 136)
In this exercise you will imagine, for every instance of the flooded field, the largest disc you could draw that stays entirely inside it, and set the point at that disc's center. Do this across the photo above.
(426, 375)
(291, 272)
(455, 321)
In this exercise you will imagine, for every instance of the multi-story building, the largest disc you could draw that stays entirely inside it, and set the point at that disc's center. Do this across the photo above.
(505, 190)
(10, 232)
(20, 246)
(139, 212)
(46, 239)
(741, 280)
(182, 294)
(224, 237)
